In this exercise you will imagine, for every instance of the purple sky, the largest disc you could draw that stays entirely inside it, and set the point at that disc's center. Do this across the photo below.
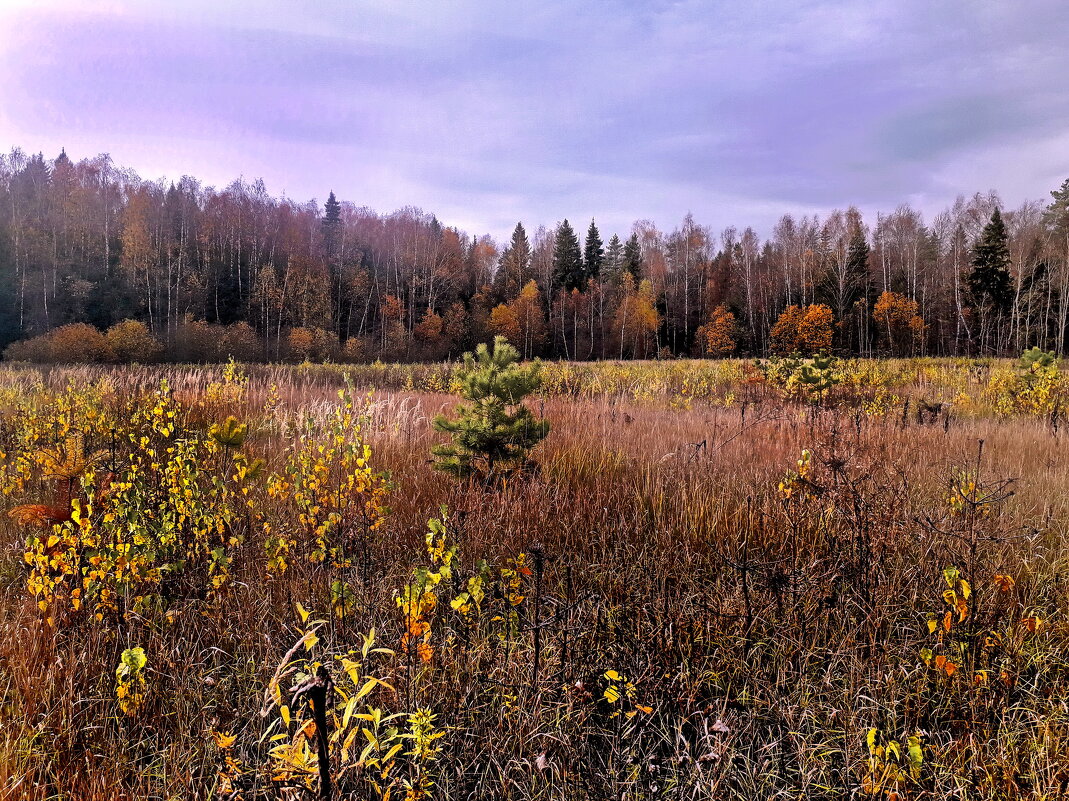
(487, 112)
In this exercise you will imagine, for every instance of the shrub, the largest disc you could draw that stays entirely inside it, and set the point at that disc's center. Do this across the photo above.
(313, 344)
(77, 343)
(34, 349)
(241, 343)
(197, 341)
(131, 341)
(357, 349)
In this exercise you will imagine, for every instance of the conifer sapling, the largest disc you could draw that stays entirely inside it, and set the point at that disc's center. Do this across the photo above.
(494, 432)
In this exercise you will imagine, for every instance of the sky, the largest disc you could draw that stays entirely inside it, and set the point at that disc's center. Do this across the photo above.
(487, 112)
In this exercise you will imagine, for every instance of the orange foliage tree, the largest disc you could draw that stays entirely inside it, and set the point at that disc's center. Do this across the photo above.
(429, 335)
(717, 337)
(899, 326)
(807, 331)
(311, 343)
(503, 323)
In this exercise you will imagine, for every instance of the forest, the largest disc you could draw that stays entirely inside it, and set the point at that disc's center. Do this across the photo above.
(98, 264)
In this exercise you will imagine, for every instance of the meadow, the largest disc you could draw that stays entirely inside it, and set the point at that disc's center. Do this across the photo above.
(719, 579)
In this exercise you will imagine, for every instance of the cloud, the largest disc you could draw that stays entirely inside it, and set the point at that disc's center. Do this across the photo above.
(488, 112)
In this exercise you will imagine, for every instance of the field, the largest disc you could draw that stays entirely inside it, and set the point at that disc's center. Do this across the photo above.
(718, 581)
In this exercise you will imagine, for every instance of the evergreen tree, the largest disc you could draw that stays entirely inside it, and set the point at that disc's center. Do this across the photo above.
(633, 258)
(1057, 214)
(331, 224)
(593, 252)
(859, 294)
(567, 259)
(513, 269)
(614, 259)
(857, 263)
(331, 211)
(495, 431)
(989, 281)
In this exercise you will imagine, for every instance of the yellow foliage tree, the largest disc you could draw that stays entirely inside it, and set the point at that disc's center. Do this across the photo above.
(637, 319)
(530, 319)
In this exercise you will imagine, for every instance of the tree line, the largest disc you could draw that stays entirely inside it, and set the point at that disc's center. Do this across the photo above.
(99, 264)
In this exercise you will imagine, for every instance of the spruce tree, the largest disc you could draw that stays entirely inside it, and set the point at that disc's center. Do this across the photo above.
(567, 259)
(989, 282)
(494, 432)
(593, 252)
(1057, 213)
(614, 259)
(857, 263)
(633, 258)
(513, 270)
(331, 211)
(331, 224)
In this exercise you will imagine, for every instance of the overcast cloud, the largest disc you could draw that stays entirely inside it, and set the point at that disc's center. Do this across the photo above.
(490, 112)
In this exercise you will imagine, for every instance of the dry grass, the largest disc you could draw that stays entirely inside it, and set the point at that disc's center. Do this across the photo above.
(767, 635)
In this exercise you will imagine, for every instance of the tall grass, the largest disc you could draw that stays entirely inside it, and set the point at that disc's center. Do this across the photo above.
(709, 617)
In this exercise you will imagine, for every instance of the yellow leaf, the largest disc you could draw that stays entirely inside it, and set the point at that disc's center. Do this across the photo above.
(349, 709)
(285, 712)
(302, 612)
(223, 740)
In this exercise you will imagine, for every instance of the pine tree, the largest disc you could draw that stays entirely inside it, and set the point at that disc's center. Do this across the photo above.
(495, 432)
(989, 282)
(593, 252)
(567, 259)
(633, 258)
